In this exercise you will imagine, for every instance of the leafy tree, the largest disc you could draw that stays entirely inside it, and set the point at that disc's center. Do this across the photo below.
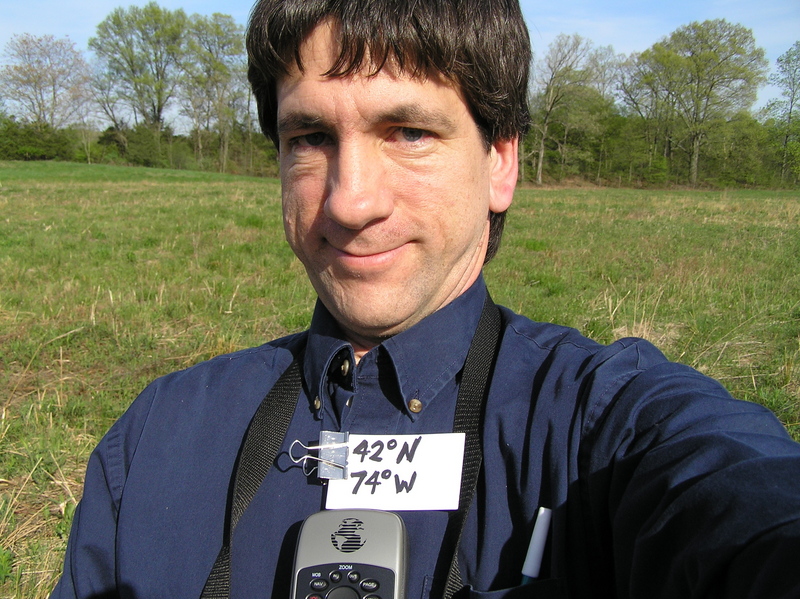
(141, 50)
(739, 153)
(213, 82)
(787, 78)
(573, 97)
(46, 79)
(106, 94)
(794, 157)
(143, 146)
(709, 70)
(643, 88)
(113, 143)
(579, 133)
(33, 141)
(630, 155)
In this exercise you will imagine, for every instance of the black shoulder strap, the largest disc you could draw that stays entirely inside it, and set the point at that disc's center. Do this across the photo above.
(469, 419)
(261, 443)
(268, 428)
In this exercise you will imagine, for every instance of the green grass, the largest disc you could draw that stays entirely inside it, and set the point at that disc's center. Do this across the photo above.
(112, 276)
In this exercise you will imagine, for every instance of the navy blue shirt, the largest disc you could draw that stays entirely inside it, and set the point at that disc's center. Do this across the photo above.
(660, 483)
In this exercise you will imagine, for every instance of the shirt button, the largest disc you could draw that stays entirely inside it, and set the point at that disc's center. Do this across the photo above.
(345, 367)
(317, 403)
(415, 405)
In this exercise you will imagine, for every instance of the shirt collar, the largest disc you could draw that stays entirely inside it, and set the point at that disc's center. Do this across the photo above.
(425, 356)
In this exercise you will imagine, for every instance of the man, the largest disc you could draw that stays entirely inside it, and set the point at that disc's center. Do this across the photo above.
(397, 125)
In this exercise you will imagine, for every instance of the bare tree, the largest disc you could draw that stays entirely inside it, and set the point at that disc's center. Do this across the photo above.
(46, 79)
(561, 70)
(106, 96)
(644, 91)
(602, 66)
(213, 79)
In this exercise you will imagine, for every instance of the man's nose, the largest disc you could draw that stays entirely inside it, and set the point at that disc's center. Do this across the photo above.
(358, 193)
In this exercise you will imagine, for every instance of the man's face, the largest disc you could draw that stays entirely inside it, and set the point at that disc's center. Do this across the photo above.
(387, 188)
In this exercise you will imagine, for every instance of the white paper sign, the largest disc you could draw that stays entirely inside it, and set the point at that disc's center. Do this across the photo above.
(400, 472)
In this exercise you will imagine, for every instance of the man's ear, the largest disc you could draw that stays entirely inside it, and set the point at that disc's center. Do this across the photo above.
(504, 174)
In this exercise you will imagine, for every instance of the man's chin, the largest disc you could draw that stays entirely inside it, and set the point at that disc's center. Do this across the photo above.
(370, 327)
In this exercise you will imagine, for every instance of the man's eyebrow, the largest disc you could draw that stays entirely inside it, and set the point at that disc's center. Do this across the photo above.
(414, 115)
(298, 121)
(411, 115)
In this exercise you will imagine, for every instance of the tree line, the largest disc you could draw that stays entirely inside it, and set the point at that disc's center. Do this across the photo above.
(679, 112)
(162, 89)
(168, 89)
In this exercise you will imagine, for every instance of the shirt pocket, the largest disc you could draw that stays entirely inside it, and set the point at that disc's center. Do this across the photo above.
(538, 589)
(550, 588)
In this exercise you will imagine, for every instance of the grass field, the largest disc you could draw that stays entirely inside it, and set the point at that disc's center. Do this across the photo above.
(110, 277)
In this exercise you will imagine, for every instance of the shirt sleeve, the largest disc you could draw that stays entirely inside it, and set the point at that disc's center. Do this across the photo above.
(89, 562)
(699, 493)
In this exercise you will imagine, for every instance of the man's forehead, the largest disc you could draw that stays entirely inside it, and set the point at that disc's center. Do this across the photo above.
(319, 50)
(320, 55)
(421, 100)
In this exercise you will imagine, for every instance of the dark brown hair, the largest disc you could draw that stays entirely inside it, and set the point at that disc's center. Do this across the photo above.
(482, 46)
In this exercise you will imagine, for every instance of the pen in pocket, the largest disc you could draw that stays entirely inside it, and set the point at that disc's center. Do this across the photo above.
(533, 559)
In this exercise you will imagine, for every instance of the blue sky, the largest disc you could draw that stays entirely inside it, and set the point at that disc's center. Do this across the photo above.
(627, 25)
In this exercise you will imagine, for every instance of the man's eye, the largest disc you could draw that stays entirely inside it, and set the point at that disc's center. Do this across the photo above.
(410, 134)
(311, 139)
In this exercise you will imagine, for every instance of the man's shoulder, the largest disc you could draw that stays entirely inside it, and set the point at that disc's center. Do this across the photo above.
(552, 341)
(217, 396)
(233, 382)
(573, 369)
(268, 360)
